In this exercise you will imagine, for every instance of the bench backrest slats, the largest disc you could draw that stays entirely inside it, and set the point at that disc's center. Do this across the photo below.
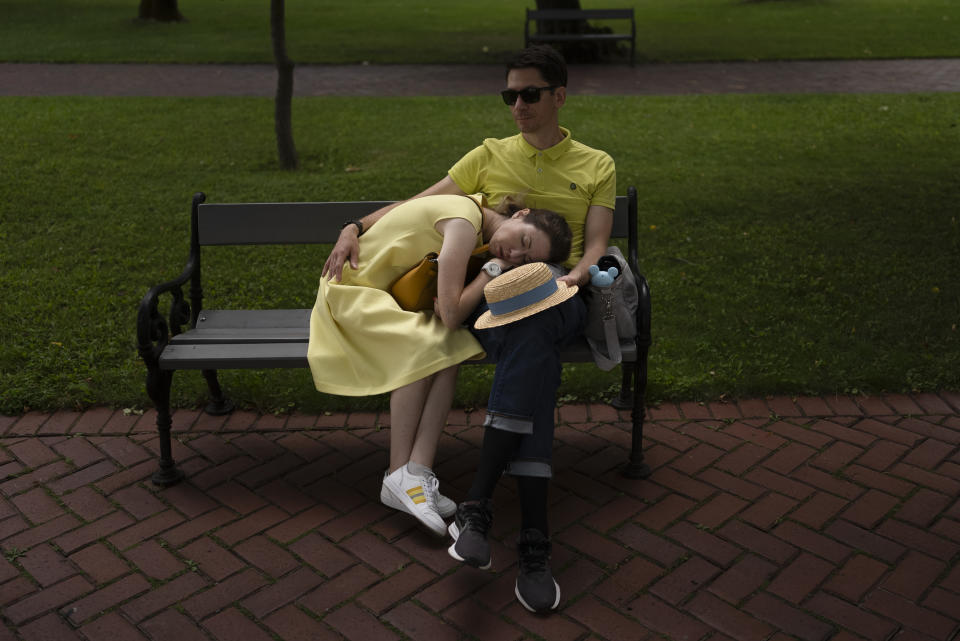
(303, 223)
(621, 218)
(277, 223)
(579, 14)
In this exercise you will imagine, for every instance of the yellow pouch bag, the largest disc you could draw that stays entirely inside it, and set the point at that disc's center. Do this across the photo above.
(416, 289)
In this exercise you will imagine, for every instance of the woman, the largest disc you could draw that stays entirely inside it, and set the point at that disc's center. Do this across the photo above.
(362, 343)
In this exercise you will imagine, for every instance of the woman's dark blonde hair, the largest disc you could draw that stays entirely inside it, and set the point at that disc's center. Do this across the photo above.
(549, 222)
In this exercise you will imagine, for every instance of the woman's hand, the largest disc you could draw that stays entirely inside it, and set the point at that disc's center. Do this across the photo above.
(347, 248)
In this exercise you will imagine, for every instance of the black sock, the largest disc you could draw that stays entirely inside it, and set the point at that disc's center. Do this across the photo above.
(533, 503)
(497, 450)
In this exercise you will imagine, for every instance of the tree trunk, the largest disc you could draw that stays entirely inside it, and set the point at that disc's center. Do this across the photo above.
(561, 26)
(161, 10)
(283, 121)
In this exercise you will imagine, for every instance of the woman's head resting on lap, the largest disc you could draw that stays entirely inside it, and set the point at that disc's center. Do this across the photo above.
(531, 235)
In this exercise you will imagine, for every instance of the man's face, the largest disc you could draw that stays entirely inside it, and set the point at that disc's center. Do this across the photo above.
(534, 117)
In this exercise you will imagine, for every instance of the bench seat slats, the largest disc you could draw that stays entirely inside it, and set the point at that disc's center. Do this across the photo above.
(234, 356)
(245, 326)
(232, 318)
(254, 339)
(242, 335)
(248, 326)
(294, 355)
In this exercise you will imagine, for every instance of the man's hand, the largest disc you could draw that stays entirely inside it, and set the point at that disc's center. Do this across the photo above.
(571, 279)
(347, 248)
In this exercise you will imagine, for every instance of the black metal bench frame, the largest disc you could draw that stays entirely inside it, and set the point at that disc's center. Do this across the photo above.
(580, 15)
(266, 339)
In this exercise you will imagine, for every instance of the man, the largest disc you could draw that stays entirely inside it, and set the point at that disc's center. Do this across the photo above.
(549, 170)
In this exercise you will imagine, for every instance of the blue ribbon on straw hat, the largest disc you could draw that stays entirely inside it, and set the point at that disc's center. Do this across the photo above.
(522, 292)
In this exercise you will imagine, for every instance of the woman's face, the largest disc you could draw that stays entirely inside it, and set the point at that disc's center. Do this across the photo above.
(519, 242)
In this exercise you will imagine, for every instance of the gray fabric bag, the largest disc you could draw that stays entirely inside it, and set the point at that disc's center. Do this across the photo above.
(612, 312)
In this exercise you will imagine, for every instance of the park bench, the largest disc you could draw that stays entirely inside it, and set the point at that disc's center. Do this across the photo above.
(574, 34)
(277, 338)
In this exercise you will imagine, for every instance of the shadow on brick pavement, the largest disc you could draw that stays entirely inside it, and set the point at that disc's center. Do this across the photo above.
(823, 518)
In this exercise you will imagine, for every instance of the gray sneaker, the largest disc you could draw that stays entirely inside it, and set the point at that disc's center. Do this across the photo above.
(536, 588)
(469, 531)
(445, 506)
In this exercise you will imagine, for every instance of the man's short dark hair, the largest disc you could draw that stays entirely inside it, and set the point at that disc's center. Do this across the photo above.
(545, 59)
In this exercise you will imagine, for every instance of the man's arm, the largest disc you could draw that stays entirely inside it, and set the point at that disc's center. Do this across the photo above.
(596, 239)
(348, 245)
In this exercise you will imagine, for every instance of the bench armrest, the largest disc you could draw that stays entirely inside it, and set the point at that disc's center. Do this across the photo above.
(153, 331)
(633, 260)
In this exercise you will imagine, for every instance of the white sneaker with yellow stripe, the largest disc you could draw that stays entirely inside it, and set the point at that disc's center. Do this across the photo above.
(446, 507)
(416, 495)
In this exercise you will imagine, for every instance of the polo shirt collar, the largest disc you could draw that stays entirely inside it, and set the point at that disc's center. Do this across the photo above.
(552, 152)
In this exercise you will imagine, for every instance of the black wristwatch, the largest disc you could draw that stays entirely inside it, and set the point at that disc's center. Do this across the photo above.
(353, 222)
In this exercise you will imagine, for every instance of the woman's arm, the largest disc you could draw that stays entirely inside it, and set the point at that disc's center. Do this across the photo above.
(348, 245)
(454, 301)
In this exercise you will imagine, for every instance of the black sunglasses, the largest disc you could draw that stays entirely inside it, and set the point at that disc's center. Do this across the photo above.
(530, 95)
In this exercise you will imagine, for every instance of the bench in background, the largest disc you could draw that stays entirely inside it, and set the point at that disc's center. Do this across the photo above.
(192, 337)
(572, 16)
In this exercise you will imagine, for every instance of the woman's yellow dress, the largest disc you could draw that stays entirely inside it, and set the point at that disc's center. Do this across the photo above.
(361, 342)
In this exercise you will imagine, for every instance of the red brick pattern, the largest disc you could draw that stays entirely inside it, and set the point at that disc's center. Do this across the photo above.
(820, 519)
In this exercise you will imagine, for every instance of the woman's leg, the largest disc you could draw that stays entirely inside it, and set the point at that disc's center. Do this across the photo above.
(418, 414)
(410, 485)
(433, 416)
(406, 408)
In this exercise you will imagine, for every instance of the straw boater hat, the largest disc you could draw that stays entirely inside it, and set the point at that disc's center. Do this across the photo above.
(522, 292)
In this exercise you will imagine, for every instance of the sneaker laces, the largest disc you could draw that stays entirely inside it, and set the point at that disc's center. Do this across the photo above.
(475, 516)
(534, 555)
(431, 489)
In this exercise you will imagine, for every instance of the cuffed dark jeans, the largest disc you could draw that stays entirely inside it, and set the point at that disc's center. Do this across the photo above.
(524, 393)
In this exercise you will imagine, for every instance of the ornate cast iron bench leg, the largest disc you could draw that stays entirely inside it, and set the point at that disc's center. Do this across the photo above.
(158, 388)
(219, 405)
(624, 399)
(636, 468)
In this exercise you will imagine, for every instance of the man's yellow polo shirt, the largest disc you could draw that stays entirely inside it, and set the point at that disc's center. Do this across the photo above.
(567, 178)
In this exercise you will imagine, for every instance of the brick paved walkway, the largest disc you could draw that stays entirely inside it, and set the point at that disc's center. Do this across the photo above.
(815, 519)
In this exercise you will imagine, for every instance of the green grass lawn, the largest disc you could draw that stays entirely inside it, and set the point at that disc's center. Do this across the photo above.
(794, 244)
(427, 31)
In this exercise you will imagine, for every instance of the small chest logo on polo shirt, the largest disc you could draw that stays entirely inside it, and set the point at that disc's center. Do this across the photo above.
(573, 186)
